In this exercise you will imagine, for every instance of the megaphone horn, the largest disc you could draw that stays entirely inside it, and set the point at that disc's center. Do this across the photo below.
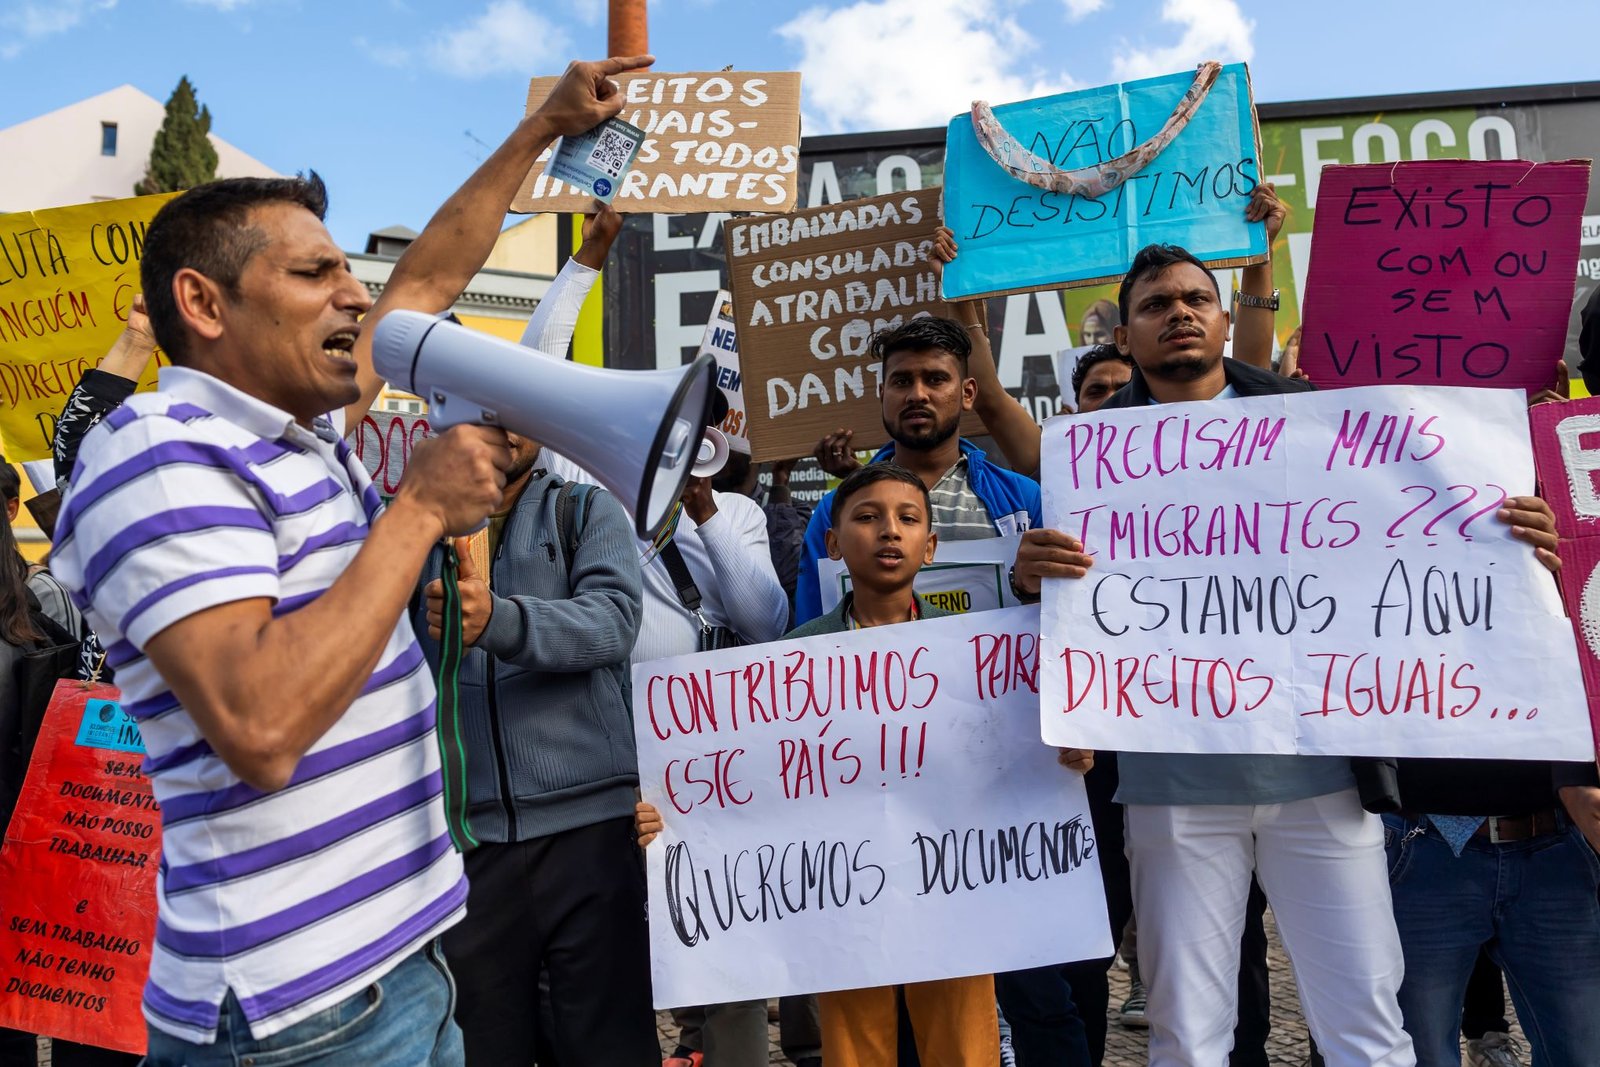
(712, 455)
(637, 431)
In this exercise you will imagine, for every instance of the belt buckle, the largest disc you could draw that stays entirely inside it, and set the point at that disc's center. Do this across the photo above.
(1494, 830)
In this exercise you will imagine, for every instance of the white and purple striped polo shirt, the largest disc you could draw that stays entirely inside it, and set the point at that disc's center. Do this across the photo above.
(199, 495)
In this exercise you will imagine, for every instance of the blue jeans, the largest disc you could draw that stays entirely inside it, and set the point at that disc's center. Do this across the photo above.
(405, 1019)
(1534, 905)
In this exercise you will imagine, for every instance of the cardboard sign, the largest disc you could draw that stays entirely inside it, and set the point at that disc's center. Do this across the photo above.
(1566, 447)
(383, 443)
(1320, 573)
(78, 878)
(964, 576)
(1452, 272)
(721, 141)
(722, 341)
(882, 788)
(1016, 238)
(809, 291)
(67, 278)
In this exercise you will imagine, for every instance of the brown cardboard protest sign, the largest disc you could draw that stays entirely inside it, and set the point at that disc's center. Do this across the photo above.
(809, 291)
(714, 141)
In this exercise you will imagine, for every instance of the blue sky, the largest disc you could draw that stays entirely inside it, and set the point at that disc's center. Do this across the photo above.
(379, 95)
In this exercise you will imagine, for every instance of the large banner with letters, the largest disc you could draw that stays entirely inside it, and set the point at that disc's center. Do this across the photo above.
(67, 279)
(1321, 573)
(861, 809)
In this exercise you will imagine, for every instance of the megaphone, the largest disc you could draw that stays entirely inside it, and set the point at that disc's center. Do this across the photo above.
(712, 455)
(638, 431)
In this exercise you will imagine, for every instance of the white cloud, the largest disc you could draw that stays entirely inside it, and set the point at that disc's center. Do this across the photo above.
(508, 38)
(220, 5)
(1077, 9)
(385, 55)
(893, 64)
(1212, 29)
(33, 20)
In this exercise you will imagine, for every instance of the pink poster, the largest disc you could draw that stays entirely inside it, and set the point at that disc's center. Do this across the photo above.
(1566, 452)
(1450, 272)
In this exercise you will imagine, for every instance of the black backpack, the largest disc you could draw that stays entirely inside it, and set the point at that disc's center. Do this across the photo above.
(39, 665)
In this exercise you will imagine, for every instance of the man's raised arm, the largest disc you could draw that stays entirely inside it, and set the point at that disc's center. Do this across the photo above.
(439, 264)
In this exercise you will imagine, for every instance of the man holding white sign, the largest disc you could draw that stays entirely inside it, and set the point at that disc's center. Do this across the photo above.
(1200, 824)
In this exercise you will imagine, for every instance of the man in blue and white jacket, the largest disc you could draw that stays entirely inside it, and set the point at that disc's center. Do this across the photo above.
(926, 388)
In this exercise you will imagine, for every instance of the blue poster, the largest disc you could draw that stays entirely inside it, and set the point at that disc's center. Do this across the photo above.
(1015, 237)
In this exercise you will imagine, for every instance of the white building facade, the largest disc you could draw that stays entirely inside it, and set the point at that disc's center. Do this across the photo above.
(95, 149)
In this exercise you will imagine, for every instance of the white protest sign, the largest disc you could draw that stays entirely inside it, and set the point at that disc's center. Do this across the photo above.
(860, 809)
(383, 441)
(1066, 363)
(1314, 573)
(722, 342)
(964, 576)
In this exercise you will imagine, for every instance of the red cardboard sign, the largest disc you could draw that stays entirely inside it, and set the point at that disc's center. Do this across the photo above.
(1448, 272)
(78, 878)
(1566, 452)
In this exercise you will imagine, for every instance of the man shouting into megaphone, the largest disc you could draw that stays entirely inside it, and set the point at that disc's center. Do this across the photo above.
(250, 589)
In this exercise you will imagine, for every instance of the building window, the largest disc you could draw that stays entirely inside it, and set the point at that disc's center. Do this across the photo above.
(108, 138)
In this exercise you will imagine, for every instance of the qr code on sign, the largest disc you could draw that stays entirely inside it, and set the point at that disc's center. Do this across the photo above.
(611, 152)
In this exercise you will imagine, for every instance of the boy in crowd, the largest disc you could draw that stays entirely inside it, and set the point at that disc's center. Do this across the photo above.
(881, 528)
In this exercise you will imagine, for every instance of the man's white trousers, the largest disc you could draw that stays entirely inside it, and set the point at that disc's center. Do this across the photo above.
(1321, 864)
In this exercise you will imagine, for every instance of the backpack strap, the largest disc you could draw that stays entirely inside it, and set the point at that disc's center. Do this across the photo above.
(570, 529)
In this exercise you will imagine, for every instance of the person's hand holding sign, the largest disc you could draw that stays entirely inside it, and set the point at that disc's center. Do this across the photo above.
(1265, 207)
(477, 603)
(1558, 392)
(647, 822)
(1046, 553)
(1076, 759)
(1531, 520)
(600, 231)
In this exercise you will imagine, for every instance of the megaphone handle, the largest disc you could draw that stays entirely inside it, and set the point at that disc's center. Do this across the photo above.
(445, 411)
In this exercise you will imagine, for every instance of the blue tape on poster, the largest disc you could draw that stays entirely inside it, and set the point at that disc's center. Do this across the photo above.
(1015, 237)
(106, 725)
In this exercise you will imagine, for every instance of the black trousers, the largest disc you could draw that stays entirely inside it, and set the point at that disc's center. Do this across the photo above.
(572, 903)
(18, 1049)
(1255, 994)
(1058, 1014)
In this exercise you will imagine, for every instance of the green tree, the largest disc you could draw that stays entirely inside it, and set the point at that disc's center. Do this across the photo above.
(182, 156)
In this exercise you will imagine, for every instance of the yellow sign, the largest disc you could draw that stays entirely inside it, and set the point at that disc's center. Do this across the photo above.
(67, 278)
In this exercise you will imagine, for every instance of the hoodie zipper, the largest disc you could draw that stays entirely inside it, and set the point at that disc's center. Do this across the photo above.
(502, 770)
